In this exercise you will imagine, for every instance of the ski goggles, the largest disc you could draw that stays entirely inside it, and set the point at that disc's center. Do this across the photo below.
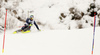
(31, 18)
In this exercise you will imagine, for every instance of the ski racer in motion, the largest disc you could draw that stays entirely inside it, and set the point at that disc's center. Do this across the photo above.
(26, 28)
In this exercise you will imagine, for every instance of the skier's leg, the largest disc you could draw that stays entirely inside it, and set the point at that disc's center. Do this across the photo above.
(23, 27)
(26, 30)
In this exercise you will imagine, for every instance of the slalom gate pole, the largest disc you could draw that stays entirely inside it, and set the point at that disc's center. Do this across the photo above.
(93, 33)
(4, 32)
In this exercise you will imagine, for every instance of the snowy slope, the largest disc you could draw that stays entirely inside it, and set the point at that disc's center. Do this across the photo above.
(51, 42)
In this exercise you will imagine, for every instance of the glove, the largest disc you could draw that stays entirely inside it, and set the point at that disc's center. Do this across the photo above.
(30, 24)
(39, 30)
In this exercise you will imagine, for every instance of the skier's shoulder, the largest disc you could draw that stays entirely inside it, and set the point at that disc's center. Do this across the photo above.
(27, 19)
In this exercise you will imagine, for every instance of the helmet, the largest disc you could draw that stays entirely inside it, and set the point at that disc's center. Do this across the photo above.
(31, 17)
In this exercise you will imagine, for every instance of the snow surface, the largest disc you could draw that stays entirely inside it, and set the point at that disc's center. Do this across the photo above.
(51, 42)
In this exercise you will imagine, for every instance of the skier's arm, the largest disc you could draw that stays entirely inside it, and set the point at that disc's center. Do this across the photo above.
(27, 21)
(36, 25)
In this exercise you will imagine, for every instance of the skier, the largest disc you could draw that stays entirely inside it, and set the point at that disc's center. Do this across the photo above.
(26, 28)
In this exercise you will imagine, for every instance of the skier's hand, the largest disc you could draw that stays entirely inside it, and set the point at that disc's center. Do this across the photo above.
(39, 30)
(30, 25)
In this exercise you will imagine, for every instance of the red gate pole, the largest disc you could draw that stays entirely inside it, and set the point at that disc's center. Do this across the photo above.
(94, 32)
(4, 32)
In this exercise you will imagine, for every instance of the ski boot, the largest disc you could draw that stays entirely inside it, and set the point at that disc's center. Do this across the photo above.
(15, 32)
(25, 31)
